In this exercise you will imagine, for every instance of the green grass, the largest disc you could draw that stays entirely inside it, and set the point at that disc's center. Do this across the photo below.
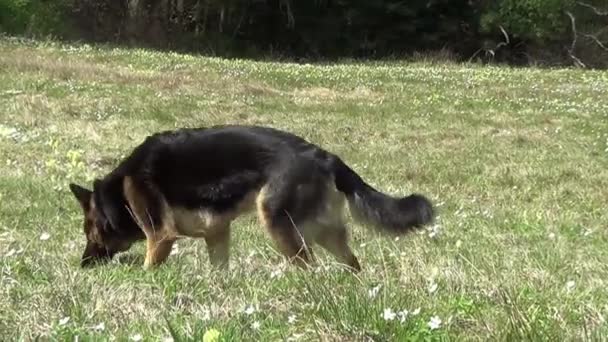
(516, 159)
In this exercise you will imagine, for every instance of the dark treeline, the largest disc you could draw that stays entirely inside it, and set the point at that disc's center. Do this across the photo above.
(514, 31)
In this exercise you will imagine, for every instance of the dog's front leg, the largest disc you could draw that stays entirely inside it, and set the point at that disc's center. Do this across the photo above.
(152, 214)
(157, 250)
(218, 247)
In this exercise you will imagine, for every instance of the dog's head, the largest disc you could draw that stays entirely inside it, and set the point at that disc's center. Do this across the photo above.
(102, 241)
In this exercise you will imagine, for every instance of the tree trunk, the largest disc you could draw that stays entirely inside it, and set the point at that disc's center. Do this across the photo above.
(134, 19)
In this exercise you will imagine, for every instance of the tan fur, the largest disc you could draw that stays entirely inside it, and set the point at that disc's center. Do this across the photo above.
(330, 217)
(258, 204)
(213, 227)
(157, 249)
(332, 234)
(218, 246)
(202, 223)
(327, 228)
(335, 241)
(333, 211)
(91, 231)
(288, 240)
(158, 239)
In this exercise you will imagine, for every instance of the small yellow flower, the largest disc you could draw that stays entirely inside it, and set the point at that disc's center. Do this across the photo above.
(211, 335)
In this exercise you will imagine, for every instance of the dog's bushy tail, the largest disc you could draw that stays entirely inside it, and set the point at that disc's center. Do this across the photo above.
(386, 213)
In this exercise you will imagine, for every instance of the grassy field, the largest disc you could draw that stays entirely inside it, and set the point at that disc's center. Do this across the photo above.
(515, 159)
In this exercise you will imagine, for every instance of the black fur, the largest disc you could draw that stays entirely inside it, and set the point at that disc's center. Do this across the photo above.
(216, 167)
(396, 215)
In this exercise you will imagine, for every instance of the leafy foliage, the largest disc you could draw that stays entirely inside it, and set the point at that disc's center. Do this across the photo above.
(317, 29)
(33, 16)
(538, 20)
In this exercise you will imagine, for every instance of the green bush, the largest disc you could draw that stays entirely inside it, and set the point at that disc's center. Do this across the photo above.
(529, 20)
(33, 17)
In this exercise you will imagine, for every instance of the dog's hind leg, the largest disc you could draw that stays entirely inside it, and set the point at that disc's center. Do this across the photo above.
(335, 241)
(290, 203)
(286, 232)
(291, 244)
(290, 220)
(218, 246)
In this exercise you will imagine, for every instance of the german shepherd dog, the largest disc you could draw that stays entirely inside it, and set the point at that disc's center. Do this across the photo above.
(194, 182)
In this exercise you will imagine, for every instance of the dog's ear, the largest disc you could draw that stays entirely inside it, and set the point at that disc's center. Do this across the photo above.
(82, 195)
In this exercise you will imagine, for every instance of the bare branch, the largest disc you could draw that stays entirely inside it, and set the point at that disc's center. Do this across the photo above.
(574, 33)
(501, 44)
(492, 52)
(475, 54)
(593, 8)
(507, 41)
(576, 60)
(597, 41)
(291, 21)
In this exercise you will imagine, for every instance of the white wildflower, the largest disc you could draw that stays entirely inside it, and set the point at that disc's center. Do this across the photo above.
(434, 231)
(136, 337)
(291, 319)
(64, 320)
(388, 314)
(402, 315)
(415, 312)
(100, 327)
(434, 323)
(433, 287)
(45, 236)
(206, 314)
(276, 273)
(255, 325)
(13, 251)
(249, 310)
(373, 292)
(570, 285)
